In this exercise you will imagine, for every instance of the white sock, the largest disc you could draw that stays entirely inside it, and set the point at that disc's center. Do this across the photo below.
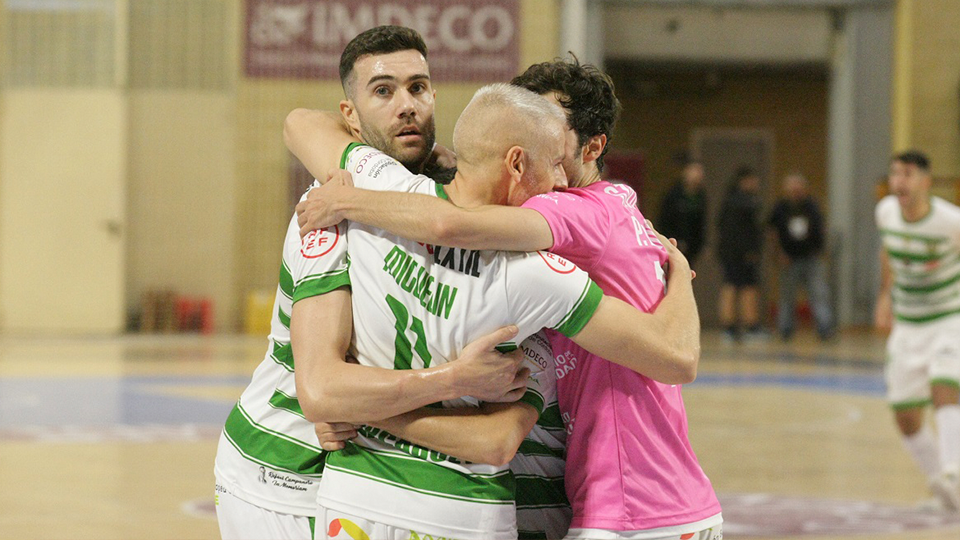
(923, 447)
(948, 433)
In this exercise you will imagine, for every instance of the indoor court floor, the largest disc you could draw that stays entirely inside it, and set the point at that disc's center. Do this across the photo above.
(114, 438)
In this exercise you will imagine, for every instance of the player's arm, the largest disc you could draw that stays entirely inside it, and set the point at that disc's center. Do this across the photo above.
(317, 138)
(489, 434)
(883, 311)
(663, 345)
(331, 390)
(425, 219)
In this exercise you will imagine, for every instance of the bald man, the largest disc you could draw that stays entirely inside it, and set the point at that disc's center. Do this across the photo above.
(415, 305)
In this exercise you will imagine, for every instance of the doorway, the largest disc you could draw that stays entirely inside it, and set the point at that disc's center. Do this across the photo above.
(722, 151)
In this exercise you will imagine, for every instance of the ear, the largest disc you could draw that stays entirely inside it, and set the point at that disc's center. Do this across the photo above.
(515, 163)
(350, 115)
(594, 147)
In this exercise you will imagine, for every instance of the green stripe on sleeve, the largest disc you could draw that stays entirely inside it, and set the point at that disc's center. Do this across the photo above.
(913, 404)
(583, 311)
(271, 448)
(418, 475)
(945, 381)
(286, 280)
(346, 153)
(321, 284)
(534, 399)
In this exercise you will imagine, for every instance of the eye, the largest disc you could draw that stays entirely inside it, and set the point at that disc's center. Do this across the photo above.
(418, 87)
(381, 91)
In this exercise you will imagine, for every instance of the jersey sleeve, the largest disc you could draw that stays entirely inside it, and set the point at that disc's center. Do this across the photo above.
(880, 212)
(545, 290)
(373, 169)
(316, 264)
(577, 223)
(542, 383)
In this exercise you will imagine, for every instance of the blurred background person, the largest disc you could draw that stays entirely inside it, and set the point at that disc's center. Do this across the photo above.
(683, 213)
(918, 303)
(739, 249)
(798, 223)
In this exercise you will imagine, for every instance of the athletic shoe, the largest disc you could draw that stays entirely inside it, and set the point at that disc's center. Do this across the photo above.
(946, 487)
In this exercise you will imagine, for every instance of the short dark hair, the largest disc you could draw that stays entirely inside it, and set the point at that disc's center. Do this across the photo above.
(584, 91)
(378, 40)
(914, 157)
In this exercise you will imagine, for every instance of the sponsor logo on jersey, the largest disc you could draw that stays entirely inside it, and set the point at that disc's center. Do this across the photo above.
(566, 362)
(557, 263)
(318, 243)
(353, 530)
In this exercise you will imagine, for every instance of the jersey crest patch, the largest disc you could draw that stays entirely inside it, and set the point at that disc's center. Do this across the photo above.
(557, 263)
(319, 243)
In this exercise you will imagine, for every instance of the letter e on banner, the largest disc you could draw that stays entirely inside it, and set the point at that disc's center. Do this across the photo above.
(468, 40)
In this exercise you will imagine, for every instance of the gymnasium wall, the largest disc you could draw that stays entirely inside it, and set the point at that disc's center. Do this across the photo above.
(196, 161)
(262, 162)
(926, 108)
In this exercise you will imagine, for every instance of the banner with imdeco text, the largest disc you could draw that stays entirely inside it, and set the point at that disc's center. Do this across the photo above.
(467, 40)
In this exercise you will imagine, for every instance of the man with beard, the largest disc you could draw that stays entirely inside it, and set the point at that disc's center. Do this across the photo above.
(919, 304)
(269, 459)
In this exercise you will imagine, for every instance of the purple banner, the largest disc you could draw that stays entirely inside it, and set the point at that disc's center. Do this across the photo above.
(467, 40)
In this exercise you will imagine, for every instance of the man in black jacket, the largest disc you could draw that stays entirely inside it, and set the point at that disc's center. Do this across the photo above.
(683, 213)
(800, 231)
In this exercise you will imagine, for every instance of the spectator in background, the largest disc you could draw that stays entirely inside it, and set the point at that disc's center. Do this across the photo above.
(740, 244)
(798, 223)
(683, 214)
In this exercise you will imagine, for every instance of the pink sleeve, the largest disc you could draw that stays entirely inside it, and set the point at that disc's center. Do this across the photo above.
(577, 223)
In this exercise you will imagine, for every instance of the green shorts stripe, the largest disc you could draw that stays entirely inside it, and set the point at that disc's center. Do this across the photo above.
(422, 476)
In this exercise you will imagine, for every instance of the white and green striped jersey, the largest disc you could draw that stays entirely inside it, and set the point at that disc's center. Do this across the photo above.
(269, 454)
(416, 306)
(542, 507)
(925, 259)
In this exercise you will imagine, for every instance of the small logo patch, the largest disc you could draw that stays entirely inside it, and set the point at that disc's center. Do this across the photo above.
(557, 263)
(319, 243)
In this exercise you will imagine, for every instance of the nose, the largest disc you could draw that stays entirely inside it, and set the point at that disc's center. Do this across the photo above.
(406, 105)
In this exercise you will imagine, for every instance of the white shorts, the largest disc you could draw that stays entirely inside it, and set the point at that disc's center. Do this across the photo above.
(240, 520)
(334, 525)
(707, 529)
(919, 355)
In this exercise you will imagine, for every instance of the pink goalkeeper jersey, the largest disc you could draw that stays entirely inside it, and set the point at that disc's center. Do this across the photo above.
(630, 466)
